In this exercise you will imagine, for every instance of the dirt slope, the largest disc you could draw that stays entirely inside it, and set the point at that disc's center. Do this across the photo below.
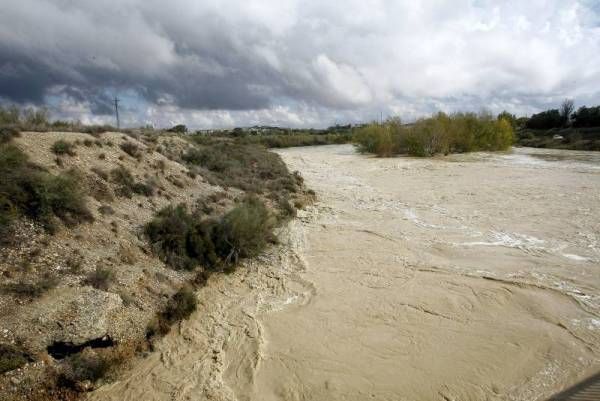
(74, 311)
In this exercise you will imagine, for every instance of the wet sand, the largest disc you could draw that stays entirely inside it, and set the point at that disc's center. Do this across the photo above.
(468, 277)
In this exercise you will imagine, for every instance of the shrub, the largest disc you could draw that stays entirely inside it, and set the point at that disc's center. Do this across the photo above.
(131, 149)
(28, 119)
(243, 232)
(124, 181)
(375, 138)
(179, 308)
(143, 188)
(88, 365)
(101, 278)
(105, 210)
(100, 191)
(88, 142)
(62, 147)
(74, 263)
(7, 133)
(184, 241)
(100, 173)
(287, 209)
(10, 115)
(11, 358)
(168, 235)
(441, 133)
(251, 168)
(127, 186)
(65, 198)
(275, 140)
(180, 128)
(26, 190)
(31, 290)
(96, 130)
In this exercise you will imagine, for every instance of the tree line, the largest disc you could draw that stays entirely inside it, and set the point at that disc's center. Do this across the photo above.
(565, 117)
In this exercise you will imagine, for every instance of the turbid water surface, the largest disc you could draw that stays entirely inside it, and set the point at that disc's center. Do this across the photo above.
(466, 277)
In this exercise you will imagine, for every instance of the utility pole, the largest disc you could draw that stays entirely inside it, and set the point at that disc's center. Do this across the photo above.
(117, 111)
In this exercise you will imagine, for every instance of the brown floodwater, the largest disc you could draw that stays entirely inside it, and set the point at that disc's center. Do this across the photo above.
(466, 277)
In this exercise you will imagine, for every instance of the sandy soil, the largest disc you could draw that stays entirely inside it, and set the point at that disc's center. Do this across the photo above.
(469, 277)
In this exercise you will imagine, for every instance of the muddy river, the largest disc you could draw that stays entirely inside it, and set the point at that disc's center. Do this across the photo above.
(467, 277)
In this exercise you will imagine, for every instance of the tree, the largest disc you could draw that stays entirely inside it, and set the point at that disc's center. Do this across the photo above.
(511, 118)
(586, 117)
(180, 128)
(521, 122)
(545, 120)
(566, 109)
(238, 132)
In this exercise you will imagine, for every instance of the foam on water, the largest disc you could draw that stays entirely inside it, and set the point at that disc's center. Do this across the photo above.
(575, 257)
(509, 240)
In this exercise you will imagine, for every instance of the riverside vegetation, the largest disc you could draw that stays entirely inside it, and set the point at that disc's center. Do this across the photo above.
(439, 134)
(177, 209)
(561, 128)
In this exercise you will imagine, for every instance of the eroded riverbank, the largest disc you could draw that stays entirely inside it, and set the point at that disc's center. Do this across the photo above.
(469, 277)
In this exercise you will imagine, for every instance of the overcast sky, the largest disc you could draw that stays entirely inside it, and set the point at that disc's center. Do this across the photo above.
(224, 63)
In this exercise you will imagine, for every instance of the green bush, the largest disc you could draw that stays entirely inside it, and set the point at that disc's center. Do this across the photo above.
(244, 231)
(168, 234)
(184, 241)
(62, 147)
(375, 138)
(456, 133)
(11, 358)
(27, 190)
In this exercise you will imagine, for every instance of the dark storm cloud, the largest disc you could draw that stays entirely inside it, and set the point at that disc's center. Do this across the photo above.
(21, 78)
(298, 62)
(209, 73)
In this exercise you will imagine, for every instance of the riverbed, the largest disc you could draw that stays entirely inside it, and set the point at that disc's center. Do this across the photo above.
(464, 277)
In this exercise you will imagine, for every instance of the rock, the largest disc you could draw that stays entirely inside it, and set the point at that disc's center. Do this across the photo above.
(72, 315)
(84, 386)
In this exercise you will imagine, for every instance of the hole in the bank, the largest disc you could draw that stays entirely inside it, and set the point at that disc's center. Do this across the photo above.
(61, 349)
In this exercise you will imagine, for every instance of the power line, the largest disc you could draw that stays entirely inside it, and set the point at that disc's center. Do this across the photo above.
(117, 111)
